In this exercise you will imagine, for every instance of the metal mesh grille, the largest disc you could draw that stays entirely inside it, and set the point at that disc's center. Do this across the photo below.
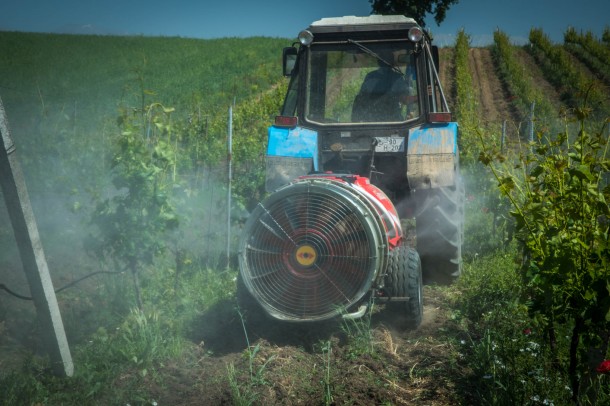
(309, 252)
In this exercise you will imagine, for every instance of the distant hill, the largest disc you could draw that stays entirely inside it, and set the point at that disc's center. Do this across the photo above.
(86, 29)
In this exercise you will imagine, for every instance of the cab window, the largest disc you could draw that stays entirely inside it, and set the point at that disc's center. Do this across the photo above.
(348, 84)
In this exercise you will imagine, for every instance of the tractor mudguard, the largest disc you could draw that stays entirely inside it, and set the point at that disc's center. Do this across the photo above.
(432, 157)
(291, 152)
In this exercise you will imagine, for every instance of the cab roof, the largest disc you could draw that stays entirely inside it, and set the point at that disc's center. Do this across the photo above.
(356, 24)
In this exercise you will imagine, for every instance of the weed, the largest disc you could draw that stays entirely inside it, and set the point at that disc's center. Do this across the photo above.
(512, 367)
(326, 356)
(145, 338)
(559, 203)
(240, 397)
(488, 284)
(246, 394)
(359, 333)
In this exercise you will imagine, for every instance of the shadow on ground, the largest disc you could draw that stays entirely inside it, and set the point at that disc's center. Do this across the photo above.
(223, 330)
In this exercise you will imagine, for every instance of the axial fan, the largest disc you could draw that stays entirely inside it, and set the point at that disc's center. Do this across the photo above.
(313, 248)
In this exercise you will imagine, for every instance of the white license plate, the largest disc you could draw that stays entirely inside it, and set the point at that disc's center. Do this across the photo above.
(390, 144)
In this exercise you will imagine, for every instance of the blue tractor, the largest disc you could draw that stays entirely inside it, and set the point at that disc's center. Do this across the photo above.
(364, 148)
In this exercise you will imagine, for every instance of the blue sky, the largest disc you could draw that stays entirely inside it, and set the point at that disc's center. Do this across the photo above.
(285, 18)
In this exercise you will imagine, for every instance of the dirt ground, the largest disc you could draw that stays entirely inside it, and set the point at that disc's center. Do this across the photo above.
(296, 364)
(494, 99)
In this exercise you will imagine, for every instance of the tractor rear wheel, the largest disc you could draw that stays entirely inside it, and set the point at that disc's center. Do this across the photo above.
(440, 232)
(404, 280)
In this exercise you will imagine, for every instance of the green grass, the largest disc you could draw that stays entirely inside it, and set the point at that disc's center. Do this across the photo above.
(62, 93)
(100, 70)
(135, 345)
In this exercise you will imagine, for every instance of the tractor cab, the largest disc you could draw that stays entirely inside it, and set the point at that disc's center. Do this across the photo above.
(359, 84)
(349, 61)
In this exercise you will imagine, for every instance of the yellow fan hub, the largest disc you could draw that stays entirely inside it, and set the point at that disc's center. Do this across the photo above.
(306, 255)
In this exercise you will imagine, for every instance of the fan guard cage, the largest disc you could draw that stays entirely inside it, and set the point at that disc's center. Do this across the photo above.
(312, 249)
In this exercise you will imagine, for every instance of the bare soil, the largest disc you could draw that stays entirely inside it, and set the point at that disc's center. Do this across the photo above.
(447, 75)
(292, 366)
(494, 99)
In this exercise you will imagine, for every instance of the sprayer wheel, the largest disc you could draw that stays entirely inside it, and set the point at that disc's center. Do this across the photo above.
(440, 233)
(404, 279)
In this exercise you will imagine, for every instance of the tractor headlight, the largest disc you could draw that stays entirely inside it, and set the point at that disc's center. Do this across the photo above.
(305, 37)
(415, 34)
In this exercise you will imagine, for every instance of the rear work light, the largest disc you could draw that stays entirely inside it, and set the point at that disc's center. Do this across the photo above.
(443, 117)
(285, 121)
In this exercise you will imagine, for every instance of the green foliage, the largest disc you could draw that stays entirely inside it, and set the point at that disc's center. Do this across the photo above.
(113, 362)
(606, 35)
(487, 286)
(487, 225)
(505, 348)
(251, 120)
(239, 395)
(202, 142)
(560, 205)
(94, 69)
(510, 367)
(559, 70)
(136, 347)
(132, 223)
(414, 9)
(589, 50)
(139, 344)
(520, 81)
(155, 160)
(327, 351)
(502, 345)
(61, 92)
(466, 105)
(141, 340)
(485, 209)
(22, 387)
(600, 69)
(187, 292)
(359, 334)
(245, 394)
(158, 161)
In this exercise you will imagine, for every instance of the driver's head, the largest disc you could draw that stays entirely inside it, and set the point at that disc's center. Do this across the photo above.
(387, 55)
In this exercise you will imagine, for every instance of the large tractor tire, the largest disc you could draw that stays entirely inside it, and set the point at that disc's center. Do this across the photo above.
(439, 224)
(404, 280)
